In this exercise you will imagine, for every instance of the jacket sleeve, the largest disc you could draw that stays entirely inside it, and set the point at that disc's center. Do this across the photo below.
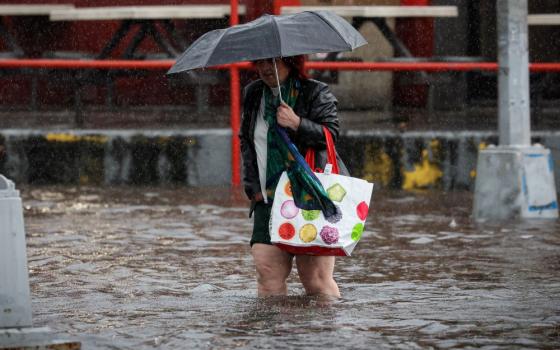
(323, 112)
(250, 170)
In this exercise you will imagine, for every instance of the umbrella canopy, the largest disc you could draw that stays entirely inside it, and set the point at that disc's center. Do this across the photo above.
(271, 36)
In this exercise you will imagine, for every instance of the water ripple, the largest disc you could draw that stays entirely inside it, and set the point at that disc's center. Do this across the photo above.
(130, 268)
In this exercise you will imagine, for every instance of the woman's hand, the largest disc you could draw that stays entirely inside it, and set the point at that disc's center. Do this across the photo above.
(286, 117)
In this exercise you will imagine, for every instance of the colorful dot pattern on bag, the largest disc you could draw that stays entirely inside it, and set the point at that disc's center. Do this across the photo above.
(289, 209)
(336, 192)
(357, 231)
(312, 229)
(286, 231)
(308, 233)
(329, 235)
(310, 215)
(288, 189)
(362, 210)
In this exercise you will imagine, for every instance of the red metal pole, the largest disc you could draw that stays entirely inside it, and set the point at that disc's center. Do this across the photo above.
(318, 65)
(406, 66)
(103, 64)
(276, 7)
(235, 107)
(86, 64)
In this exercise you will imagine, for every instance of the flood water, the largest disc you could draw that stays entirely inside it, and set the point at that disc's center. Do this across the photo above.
(169, 268)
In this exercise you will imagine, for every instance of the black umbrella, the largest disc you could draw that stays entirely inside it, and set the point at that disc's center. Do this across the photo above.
(271, 36)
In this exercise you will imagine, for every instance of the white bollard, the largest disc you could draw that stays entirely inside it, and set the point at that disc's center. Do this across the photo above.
(15, 303)
(515, 182)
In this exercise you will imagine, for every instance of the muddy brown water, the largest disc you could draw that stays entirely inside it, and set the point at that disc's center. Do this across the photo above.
(169, 268)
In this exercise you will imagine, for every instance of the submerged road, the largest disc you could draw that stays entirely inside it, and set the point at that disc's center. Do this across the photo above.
(168, 268)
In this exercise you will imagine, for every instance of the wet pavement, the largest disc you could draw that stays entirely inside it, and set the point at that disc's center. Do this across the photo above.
(168, 268)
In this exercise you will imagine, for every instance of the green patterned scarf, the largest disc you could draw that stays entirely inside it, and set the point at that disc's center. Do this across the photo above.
(282, 155)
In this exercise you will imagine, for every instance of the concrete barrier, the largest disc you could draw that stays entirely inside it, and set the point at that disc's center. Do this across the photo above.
(515, 182)
(16, 331)
(15, 303)
(407, 160)
(136, 157)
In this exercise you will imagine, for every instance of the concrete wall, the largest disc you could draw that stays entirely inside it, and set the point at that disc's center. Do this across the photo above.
(194, 158)
(409, 160)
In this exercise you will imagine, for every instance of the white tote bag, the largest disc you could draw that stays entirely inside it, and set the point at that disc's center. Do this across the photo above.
(307, 232)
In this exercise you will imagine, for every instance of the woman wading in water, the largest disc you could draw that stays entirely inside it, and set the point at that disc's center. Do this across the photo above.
(307, 105)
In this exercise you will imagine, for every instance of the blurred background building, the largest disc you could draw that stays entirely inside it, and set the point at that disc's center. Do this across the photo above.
(469, 37)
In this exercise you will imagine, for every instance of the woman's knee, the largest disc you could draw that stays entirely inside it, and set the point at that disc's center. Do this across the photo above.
(273, 268)
(268, 274)
(272, 286)
(316, 275)
(271, 281)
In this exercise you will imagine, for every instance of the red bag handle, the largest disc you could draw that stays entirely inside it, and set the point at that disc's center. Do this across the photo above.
(331, 153)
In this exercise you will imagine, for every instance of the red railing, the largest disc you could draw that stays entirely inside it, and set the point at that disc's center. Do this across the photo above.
(362, 66)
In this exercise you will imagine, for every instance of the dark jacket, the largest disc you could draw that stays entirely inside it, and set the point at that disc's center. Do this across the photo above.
(316, 106)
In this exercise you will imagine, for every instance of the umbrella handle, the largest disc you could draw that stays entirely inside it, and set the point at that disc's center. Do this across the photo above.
(277, 80)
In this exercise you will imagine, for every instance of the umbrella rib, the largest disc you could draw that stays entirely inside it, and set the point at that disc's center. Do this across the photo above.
(277, 34)
(333, 28)
(224, 31)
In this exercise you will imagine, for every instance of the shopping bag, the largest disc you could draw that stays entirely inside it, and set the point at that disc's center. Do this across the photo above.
(308, 232)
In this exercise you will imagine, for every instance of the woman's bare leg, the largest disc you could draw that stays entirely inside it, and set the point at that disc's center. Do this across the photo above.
(316, 275)
(273, 268)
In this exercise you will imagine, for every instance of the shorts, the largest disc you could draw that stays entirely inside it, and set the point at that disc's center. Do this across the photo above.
(261, 229)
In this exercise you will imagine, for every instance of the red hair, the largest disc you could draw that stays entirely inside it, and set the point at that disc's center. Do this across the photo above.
(296, 65)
